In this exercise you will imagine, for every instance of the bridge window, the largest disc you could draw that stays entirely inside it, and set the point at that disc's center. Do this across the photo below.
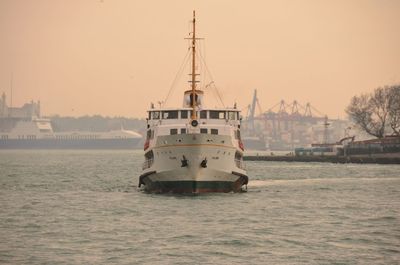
(215, 114)
(173, 131)
(232, 115)
(203, 114)
(183, 130)
(184, 114)
(204, 130)
(173, 114)
(155, 115)
(214, 131)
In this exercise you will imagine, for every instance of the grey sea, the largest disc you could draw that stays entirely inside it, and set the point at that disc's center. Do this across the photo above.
(83, 207)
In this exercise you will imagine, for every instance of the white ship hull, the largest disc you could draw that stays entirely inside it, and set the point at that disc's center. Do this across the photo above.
(220, 172)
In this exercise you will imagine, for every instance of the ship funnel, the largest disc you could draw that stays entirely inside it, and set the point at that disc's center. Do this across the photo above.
(188, 98)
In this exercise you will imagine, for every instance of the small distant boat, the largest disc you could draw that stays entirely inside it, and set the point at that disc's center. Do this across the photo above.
(193, 149)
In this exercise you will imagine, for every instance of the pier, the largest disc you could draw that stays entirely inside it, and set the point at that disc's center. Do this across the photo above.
(326, 159)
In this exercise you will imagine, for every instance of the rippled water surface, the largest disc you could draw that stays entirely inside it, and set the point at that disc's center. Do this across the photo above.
(75, 207)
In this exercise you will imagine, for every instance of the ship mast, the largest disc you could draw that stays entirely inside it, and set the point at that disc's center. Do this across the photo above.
(194, 100)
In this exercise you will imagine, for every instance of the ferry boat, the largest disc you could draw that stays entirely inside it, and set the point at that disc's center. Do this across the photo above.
(193, 149)
(24, 128)
(37, 133)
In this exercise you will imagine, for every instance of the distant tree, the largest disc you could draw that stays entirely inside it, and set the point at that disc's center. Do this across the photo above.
(377, 112)
(394, 109)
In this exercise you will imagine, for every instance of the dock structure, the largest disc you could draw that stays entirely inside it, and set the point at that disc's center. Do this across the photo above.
(327, 159)
(289, 124)
(373, 151)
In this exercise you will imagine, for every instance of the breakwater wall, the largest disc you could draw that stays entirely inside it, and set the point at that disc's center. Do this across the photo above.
(328, 159)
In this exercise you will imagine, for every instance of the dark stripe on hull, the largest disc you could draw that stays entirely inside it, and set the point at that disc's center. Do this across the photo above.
(188, 186)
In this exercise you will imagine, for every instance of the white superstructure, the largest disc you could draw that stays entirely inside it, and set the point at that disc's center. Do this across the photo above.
(30, 129)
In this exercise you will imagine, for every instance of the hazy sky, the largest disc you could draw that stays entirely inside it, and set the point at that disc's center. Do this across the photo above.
(115, 57)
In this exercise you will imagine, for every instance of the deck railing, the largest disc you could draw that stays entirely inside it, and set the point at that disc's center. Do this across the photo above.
(240, 164)
(147, 164)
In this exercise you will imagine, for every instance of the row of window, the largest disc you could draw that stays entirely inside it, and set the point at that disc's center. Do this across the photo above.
(184, 114)
(76, 137)
(202, 130)
(20, 137)
(150, 133)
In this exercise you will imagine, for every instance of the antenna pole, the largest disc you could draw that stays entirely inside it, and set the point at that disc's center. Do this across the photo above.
(326, 124)
(194, 101)
(11, 95)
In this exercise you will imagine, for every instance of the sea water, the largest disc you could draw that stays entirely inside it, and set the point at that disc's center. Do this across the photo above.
(84, 207)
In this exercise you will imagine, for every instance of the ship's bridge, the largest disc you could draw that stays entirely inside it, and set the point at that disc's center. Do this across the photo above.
(178, 121)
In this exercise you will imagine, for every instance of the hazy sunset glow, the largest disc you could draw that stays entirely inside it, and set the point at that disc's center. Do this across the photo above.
(115, 57)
